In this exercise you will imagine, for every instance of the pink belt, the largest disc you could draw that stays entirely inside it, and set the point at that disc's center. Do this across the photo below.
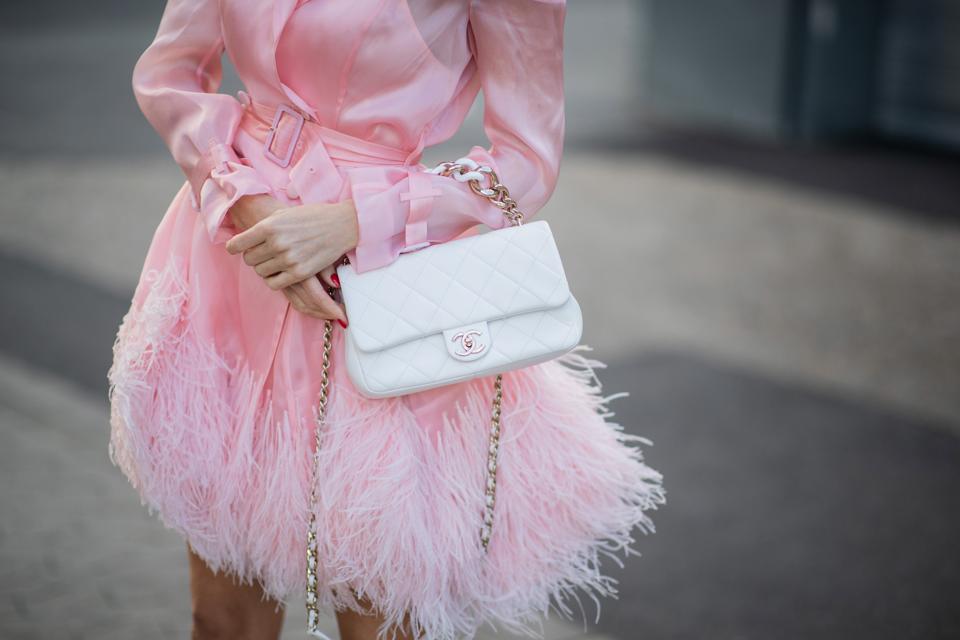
(287, 135)
(308, 154)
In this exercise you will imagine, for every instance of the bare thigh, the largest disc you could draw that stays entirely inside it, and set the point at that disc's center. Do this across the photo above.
(223, 608)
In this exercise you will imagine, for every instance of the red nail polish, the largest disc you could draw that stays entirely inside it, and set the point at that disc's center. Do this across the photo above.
(342, 323)
(336, 280)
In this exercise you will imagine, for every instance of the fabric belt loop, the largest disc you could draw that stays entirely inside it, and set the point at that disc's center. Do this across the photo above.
(420, 196)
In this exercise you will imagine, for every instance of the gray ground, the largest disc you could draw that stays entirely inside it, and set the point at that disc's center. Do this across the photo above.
(786, 322)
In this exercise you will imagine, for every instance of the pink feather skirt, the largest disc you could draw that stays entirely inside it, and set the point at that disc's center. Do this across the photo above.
(219, 444)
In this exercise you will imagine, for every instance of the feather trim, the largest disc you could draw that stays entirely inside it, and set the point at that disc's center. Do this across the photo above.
(400, 503)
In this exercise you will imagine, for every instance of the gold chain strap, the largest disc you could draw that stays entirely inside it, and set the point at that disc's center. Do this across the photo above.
(497, 194)
(492, 458)
(312, 601)
(313, 611)
(495, 191)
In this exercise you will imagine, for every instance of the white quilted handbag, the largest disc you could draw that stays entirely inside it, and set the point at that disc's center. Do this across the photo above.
(471, 307)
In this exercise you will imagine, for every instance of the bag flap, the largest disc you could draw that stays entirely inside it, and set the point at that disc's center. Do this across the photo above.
(478, 278)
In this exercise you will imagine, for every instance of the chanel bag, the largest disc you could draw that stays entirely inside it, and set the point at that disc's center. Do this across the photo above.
(446, 313)
(471, 307)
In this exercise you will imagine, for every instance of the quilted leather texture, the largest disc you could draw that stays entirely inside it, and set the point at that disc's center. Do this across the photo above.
(417, 365)
(510, 278)
(482, 277)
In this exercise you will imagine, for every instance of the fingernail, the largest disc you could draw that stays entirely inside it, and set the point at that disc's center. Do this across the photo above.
(336, 280)
(342, 323)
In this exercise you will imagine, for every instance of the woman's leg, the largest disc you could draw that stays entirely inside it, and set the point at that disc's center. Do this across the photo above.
(364, 626)
(222, 608)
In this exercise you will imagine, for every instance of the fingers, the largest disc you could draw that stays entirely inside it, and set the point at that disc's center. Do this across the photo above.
(269, 268)
(281, 271)
(329, 276)
(260, 253)
(250, 238)
(284, 260)
(285, 279)
(314, 295)
(302, 302)
(279, 277)
(292, 294)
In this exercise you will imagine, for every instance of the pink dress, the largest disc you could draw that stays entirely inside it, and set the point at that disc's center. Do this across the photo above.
(215, 377)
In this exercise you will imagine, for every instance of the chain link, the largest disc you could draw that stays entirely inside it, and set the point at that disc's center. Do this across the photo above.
(495, 191)
(313, 611)
(492, 460)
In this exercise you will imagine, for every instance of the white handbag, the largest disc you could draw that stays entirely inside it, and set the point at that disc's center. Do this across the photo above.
(471, 307)
(449, 312)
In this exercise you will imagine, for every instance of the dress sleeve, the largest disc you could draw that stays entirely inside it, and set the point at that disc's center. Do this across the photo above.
(518, 53)
(175, 82)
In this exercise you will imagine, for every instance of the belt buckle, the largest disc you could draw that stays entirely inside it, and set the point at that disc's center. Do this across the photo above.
(283, 160)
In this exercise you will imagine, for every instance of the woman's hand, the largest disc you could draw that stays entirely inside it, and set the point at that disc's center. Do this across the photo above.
(310, 296)
(293, 244)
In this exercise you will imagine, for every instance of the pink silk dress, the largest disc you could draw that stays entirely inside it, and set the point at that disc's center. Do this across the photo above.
(215, 377)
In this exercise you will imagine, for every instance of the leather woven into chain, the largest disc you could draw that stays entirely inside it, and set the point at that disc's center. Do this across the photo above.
(465, 171)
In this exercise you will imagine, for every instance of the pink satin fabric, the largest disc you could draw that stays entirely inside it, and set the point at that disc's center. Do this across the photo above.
(215, 377)
(396, 90)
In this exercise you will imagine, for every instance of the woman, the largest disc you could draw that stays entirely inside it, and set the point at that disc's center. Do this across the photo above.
(216, 365)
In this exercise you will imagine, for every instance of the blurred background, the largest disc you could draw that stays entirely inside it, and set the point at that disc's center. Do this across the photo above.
(759, 210)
